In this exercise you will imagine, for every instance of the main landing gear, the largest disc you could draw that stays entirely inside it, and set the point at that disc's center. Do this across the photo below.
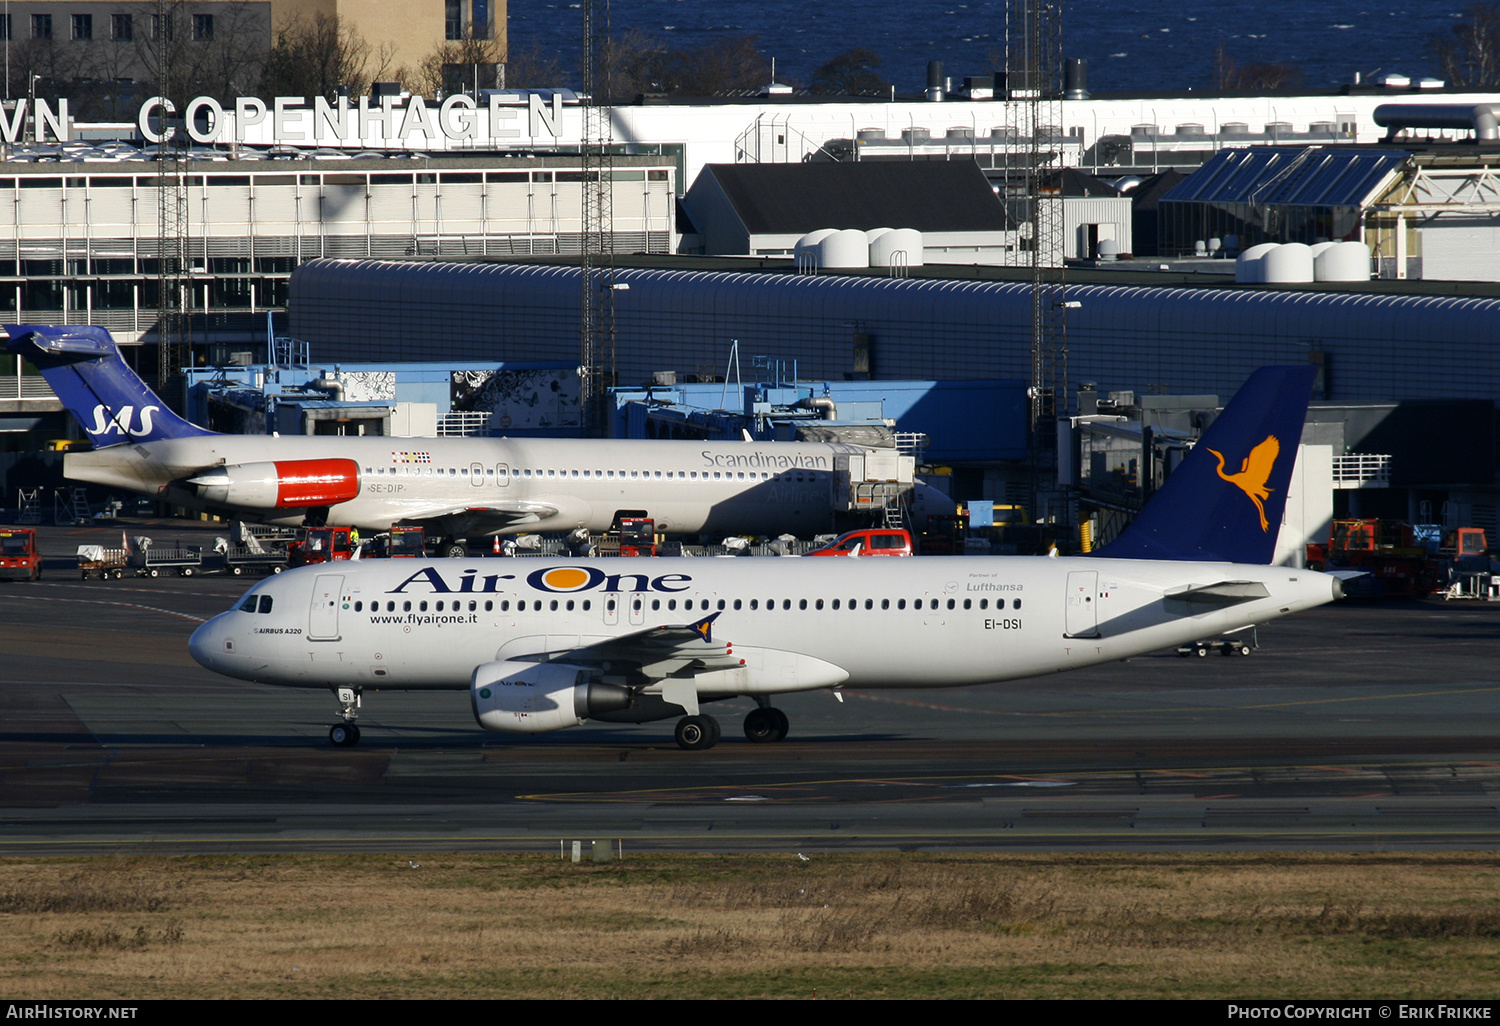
(766, 724)
(346, 734)
(695, 733)
(762, 725)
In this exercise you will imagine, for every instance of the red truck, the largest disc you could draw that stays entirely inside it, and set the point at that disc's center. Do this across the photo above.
(19, 558)
(322, 545)
(871, 541)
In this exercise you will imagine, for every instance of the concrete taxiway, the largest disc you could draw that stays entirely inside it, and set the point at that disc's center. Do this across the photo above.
(1352, 727)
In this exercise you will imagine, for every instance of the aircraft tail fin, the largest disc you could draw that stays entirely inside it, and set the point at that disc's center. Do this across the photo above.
(108, 399)
(1224, 501)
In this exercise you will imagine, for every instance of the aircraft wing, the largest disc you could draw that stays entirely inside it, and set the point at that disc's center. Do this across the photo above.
(490, 518)
(676, 650)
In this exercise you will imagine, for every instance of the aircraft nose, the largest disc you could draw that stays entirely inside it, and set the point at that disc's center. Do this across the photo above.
(207, 643)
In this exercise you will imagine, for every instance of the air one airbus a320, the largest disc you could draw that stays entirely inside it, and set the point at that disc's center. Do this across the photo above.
(547, 644)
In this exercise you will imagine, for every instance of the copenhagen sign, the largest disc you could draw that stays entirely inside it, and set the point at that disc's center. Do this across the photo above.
(501, 119)
(291, 119)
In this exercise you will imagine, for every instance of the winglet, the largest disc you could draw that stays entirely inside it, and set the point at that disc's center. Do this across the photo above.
(108, 399)
(1224, 502)
(704, 627)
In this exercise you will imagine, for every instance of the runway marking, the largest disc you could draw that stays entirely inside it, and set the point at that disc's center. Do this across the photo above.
(950, 780)
(652, 841)
(127, 605)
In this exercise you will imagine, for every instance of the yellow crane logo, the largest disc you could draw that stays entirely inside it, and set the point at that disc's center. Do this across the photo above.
(1254, 473)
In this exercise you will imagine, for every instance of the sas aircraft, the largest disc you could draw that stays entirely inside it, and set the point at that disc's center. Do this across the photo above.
(546, 644)
(454, 488)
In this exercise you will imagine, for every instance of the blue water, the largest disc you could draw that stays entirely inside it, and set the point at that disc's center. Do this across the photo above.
(1132, 46)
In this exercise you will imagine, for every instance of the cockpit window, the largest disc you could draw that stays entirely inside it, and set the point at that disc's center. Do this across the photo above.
(265, 603)
(248, 606)
(256, 603)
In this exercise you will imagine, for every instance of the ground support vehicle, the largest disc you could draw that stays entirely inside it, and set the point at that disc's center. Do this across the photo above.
(1392, 554)
(240, 560)
(637, 536)
(155, 562)
(322, 545)
(19, 558)
(103, 563)
(873, 541)
(1223, 646)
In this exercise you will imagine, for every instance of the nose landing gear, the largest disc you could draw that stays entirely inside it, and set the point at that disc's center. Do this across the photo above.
(346, 734)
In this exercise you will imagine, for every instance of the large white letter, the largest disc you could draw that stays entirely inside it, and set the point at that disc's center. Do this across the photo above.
(367, 119)
(59, 121)
(417, 119)
(10, 130)
(335, 118)
(459, 125)
(248, 110)
(281, 119)
(143, 121)
(499, 114)
(215, 119)
(541, 119)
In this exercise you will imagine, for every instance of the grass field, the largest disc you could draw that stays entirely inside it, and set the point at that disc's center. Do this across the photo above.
(664, 926)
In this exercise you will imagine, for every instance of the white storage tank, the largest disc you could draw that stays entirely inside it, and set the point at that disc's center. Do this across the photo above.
(1247, 265)
(1287, 264)
(848, 248)
(809, 244)
(1342, 261)
(885, 246)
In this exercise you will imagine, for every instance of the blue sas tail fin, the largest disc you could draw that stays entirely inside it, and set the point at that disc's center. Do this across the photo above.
(1224, 501)
(108, 399)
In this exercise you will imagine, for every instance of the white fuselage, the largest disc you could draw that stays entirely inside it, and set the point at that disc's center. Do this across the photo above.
(545, 484)
(797, 624)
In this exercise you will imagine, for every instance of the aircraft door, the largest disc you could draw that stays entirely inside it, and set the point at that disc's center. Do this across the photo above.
(611, 605)
(1083, 607)
(323, 613)
(476, 474)
(637, 607)
(502, 474)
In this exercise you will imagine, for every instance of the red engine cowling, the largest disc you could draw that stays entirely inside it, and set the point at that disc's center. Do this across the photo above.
(521, 697)
(283, 484)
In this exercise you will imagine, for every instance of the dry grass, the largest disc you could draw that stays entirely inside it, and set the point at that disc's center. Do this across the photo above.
(1273, 925)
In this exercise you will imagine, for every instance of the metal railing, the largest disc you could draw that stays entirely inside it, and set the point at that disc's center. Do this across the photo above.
(1362, 470)
(463, 424)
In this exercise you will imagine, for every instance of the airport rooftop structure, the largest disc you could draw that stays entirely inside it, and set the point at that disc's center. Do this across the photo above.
(79, 240)
(1186, 334)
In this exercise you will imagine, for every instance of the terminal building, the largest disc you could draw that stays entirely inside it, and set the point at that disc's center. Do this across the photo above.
(401, 231)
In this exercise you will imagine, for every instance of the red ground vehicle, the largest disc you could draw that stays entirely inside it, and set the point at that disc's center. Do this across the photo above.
(1401, 559)
(322, 545)
(401, 543)
(19, 558)
(637, 536)
(873, 541)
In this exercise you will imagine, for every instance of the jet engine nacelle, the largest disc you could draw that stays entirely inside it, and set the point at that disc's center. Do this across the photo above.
(520, 697)
(284, 484)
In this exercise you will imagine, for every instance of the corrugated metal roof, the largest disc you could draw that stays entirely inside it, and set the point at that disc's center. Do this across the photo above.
(1170, 339)
(1310, 176)
(930, 196)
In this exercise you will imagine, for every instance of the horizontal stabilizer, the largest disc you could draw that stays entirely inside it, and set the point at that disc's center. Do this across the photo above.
(1221, 595)
(108, 399)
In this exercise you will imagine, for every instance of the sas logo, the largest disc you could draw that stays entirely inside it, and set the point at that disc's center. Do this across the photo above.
(1254, 473)
(119, 424)
(567, 579)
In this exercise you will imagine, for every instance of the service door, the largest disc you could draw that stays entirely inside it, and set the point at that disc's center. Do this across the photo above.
(1082, 615)
(323, 614)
